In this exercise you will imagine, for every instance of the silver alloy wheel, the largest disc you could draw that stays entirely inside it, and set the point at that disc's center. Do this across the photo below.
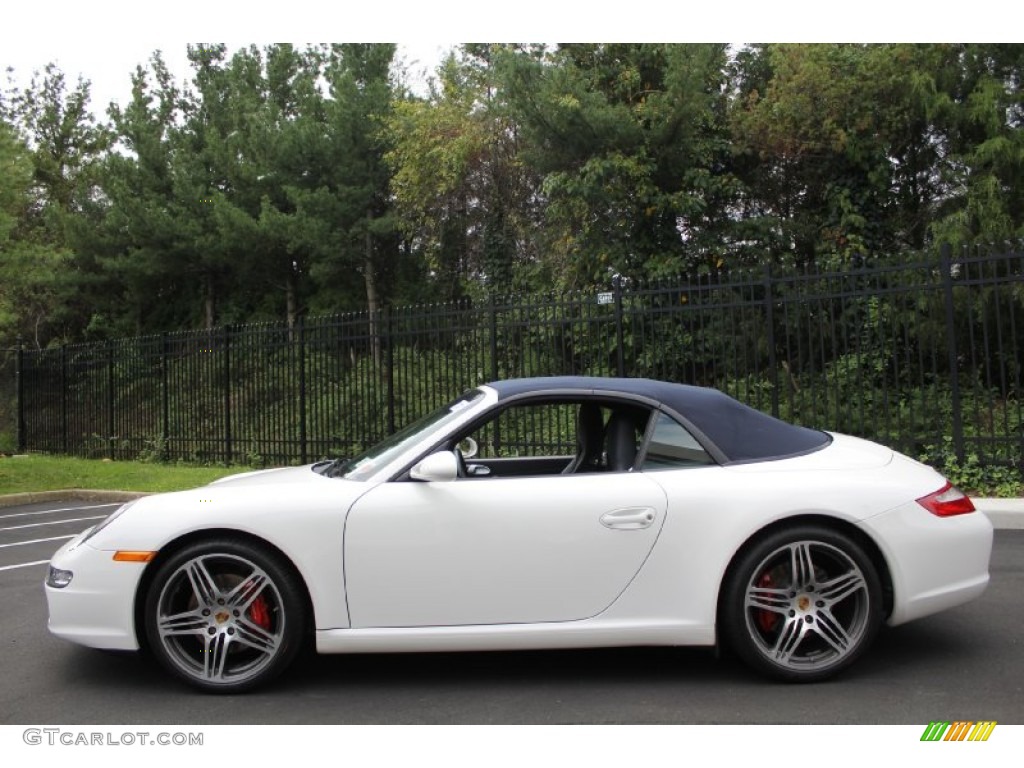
(807, 606)
(220, 619)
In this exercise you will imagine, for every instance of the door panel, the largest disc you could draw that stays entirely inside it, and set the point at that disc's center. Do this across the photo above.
(529, 466)
(497, 550)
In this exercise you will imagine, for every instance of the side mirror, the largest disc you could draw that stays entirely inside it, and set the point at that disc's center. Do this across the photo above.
(439, 467)
(468, 447)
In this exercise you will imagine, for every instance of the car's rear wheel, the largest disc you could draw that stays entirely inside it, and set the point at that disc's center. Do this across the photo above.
(802, 604)
(224, 615)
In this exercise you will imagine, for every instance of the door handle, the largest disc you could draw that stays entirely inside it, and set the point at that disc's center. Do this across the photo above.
(628, 518)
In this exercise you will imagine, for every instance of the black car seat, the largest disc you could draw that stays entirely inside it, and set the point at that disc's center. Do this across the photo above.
(621, 436)
(589, 440)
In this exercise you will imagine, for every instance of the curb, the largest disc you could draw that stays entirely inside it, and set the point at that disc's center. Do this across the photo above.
(71, 494)
(1005, 514)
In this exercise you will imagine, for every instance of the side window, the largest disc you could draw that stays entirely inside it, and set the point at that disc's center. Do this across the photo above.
(530, 430)
(560, 437)
(673, 447)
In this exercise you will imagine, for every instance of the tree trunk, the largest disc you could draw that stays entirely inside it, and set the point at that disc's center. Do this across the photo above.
(210, 300)
(372, 298)
(291, 309)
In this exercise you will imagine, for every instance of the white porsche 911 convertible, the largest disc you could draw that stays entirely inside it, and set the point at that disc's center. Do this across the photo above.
(535, 513)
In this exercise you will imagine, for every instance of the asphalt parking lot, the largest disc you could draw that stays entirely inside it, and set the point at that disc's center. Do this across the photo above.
(30, 533)
(966, 663)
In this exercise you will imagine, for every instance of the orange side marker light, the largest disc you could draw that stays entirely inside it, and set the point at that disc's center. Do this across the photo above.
(131, 556)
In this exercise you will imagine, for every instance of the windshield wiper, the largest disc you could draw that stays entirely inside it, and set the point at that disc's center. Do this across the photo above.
(333, 467)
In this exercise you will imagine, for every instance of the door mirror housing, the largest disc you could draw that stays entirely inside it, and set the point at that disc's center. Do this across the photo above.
(440, 467)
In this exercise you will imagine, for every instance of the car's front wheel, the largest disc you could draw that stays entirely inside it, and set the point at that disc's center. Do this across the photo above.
(802, 604)
(224, 615)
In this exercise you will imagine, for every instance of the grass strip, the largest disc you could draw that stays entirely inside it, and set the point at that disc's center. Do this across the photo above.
(33, 473)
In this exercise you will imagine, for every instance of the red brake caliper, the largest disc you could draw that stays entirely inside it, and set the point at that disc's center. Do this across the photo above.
(259, 612)
(766, 619)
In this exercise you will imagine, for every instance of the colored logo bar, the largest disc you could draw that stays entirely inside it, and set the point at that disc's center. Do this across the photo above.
(958, 730)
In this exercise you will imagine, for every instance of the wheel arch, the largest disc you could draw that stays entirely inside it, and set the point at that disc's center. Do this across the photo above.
(866, 542)
(176, 545)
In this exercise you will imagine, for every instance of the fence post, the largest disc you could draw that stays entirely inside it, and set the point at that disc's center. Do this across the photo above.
(494, 339)
(769, 311)
(110, 400)
(946, 267)
(619, 337)
(165, 397)
(19, 393)
(303, 449)
(64, 398)
(493, 306)
(390, 364)
(227, 395)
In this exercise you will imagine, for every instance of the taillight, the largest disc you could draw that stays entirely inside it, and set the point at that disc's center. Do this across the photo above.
(947, 501)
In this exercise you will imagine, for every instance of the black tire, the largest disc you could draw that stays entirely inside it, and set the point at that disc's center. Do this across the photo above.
(225, 615)
(802, 604)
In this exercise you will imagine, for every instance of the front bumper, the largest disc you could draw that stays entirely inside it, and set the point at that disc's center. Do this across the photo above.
(935, 562)
(97, 608)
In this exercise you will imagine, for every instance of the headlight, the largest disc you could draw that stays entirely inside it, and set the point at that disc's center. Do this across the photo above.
(113, 516)
(57, 578)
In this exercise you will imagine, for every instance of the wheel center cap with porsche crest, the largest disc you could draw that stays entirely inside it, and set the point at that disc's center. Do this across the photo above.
(803, 602)
(222, 616)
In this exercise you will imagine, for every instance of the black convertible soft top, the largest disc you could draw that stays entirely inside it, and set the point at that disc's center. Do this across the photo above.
(739, 432)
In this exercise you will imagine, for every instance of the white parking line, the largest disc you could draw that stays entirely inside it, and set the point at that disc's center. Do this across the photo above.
(53, 522)
(37, 541)
(22, 565)
(54, 511)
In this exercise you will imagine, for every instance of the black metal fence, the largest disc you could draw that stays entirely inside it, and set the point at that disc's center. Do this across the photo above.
(8, 401)
(923, 356)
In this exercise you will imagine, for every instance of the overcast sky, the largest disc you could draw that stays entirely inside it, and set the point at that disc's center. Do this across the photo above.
(109, 68)
(104, 40)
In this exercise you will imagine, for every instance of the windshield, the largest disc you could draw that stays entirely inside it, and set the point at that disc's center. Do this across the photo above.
(421, 431)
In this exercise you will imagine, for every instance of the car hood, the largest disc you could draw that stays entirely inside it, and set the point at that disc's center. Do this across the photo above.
(267, 503)
(267, 476)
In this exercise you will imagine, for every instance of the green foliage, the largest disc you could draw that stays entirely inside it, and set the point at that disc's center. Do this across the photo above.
(463, 194)
(827, 136)
(47, 175)
(280, 183)
(978, 479)
(154, 451)
(632, 148)
(15, 177)
(979, 108)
